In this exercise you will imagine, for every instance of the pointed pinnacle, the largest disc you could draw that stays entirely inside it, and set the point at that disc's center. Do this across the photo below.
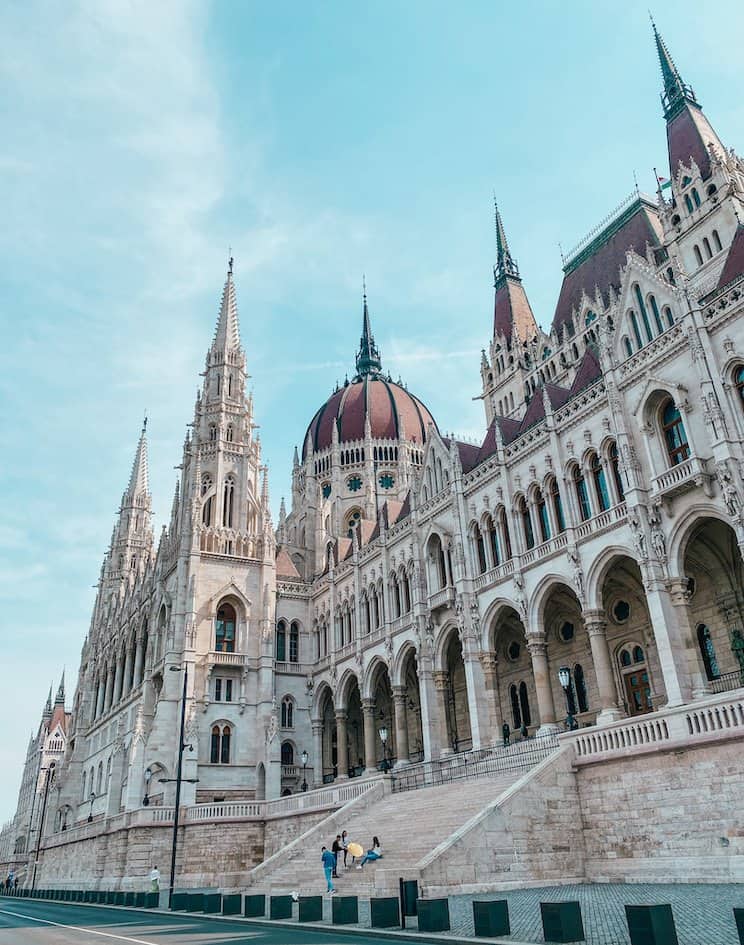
(368, 358)
(227, 332)
(139, 480)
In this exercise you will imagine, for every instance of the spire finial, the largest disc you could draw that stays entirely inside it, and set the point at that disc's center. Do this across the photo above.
(368, 358)
(230, 261)
(676, 92)
(506, 265)
(227, 333)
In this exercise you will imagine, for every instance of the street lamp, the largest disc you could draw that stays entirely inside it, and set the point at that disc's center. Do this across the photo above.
(49, 775)
(564, 678)
(91, 798)
(148, 778)
(304, 769)
(383, 733)
(178, 779)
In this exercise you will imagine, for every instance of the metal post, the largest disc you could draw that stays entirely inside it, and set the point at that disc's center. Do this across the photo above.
(41, 825)
(181, 747)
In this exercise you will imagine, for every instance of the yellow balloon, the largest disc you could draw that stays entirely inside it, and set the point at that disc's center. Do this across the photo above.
(356, 849)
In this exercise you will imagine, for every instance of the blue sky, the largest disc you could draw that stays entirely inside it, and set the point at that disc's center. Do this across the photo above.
(320, 141)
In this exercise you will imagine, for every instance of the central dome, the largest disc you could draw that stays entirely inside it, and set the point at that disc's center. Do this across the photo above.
(392, 411)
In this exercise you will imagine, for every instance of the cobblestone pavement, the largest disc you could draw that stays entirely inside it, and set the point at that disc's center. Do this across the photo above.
(703, 913)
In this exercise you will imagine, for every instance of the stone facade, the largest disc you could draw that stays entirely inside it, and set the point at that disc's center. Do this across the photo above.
(583, 562)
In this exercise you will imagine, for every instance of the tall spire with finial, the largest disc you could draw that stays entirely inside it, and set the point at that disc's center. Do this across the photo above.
(227, 333)
(506, 266)
(368, 358)
(512, 313)
(47, 714)
(139, 479)
(60, 700)
(676, 91)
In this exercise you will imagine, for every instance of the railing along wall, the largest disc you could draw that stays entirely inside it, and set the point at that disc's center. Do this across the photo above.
(711, 719)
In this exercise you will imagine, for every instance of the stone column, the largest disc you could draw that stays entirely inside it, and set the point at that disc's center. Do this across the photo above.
(490, 666)
(596, 627)
(317, 725)
(672, 643)
(400, 700)
(441, 679)
(368, 713)
(126, 688)
(342, 749)
(118, 681)
(539, 654)
(100, 693)
(139, 661)
(681, 602)
(429, 718)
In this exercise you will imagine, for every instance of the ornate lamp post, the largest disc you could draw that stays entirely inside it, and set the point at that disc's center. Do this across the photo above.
(91, 798)
(564, 678)
(383, 733)
(148, 778)
(304, 769)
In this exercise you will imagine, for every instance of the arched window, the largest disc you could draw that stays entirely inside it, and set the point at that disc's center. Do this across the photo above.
(212, 433)
(493, 538)
(615, 463)
(524, 703)
(580, 684)
(628, 346)
(524, 513)
(227, 502)
(224, 641)
(688, 203)
(294, 642)
(656, 313)
(706, 247)
(405, 582)
(678, 449)
(717, 241)
(668, 315)
(99, 782)
(698, 255)
(555, 498)
(207, 510)
(600, 483)
(739, 381)
(287, 713)
(644, 313)
(229, 433)
(480, 547)
(287, 753)
(395, 595)
(582, 494)
(708, 652)
(695, 197)
(220, 746)
(516, 714)
(352, 522)
(281, 641)
(636, 329)
(542, 515)
(85, 784)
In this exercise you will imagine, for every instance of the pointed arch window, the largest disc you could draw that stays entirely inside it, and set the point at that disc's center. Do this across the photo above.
(695, 197)
(656, 313)
(524, 703)
(708, 652)
(505, 531)
(644, 313)
(406, 584)
(542, 515)
(227, 502)
(220, 745)
(524, 513)
(281, 641)
(493, 537)
(706, 247)
(698, 254)
(555, 498)
(739, 381)
(668, 315)
(294, 642)
(675, 435)
(636, 329)
(600, 483)
(212, 433)
(628, 346)
(229, 433)
(582, 494)
(688, 203)
(717, 241)
(287, 754)
(480, 546)
(615, 463)
(516, 713)
(287, 713)
(225, 629)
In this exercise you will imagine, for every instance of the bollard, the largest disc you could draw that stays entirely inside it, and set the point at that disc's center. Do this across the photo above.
(232, 903)
(651, 925)
(129, 898)
(310, 909)
(255, 906)
(212, 902)
(280, 907)
(491, 918)
(384, 912)
(179, 901)
(739, 919)
(433, 915)
(344, 910)
(152, 900)
(562, 921)
(194, 902)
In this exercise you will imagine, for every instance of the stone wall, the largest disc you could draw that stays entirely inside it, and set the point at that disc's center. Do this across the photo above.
(279, 831)
(672, 816)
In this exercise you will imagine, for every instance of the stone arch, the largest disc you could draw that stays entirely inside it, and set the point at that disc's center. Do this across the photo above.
(684, 529)
(260, 781)
(539, 597)
(348, 680)
(441, 644)
(490, 620)
(322, 692)
(376, 666)
(405, 651)
(597, 573)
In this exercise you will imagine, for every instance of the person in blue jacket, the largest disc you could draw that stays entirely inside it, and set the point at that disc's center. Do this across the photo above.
(328, 860)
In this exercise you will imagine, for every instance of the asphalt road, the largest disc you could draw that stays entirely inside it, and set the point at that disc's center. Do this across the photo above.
(35, 922)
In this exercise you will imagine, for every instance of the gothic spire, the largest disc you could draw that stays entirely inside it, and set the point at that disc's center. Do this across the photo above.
(139, 480)
(368, 358)
(48, 707)
(227, 333)
(506, 266)
(676, 92)
(60, 700)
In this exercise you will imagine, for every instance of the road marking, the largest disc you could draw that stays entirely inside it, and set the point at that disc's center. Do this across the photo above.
(77, 928)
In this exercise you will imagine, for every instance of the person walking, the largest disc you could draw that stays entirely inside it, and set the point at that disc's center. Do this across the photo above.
(154, 879)
(345, 847)
(506, 733)
(328, 860)
(336, 849)
(373, 854)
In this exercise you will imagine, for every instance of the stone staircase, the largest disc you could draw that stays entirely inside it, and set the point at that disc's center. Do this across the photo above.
(410, 826)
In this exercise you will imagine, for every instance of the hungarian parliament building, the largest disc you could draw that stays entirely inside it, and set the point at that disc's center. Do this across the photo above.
(421, 598)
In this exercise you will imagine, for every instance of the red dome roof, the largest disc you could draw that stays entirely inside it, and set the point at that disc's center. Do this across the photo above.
(389, 406)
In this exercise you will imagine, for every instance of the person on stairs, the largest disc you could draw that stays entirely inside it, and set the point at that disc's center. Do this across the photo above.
(329, 862)
(345, 847)
(336, 849)
(374, 854)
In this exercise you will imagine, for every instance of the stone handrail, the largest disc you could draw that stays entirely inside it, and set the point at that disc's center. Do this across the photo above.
(720, 716)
